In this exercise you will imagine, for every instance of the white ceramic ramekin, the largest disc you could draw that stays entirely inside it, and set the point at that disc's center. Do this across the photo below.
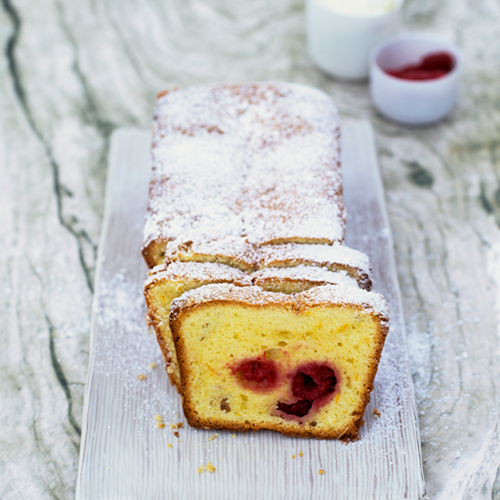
(407, 101)
(340, 43)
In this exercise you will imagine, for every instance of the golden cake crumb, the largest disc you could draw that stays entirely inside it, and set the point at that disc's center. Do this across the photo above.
(233, 435)
(169, 445)
(179, 425)
(152, 366)
(141, 376)
(376, 412)
(293, 456)
(209, 467)
(160, 425)
(321, 472)
(213, 437)
(176, 434)
(362, 422)
(159, 418)
(301, 454)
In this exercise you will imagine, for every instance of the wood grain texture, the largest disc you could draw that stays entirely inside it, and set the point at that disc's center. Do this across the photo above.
(71, 72)
(124, 455)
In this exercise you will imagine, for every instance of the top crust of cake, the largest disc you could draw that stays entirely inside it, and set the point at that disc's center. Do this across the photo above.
(238, 253)
(326, 295)
(235, 252)
(258, 161)
(332, 257)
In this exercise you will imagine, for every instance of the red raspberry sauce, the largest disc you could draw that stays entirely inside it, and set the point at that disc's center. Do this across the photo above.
(299, 409)
(257, 374)
(432, 66)
(312, 383)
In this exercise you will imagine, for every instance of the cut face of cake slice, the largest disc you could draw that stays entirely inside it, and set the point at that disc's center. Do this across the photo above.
(301, 364)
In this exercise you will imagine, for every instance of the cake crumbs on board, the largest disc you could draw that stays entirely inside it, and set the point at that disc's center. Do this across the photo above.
(213, 437)
(141, 376)
(152, 366)
(376, 412)
(321, 472)
(209, 467)
(301, 454)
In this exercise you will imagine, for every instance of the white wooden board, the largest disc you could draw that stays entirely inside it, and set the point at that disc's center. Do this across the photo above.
(124, 455)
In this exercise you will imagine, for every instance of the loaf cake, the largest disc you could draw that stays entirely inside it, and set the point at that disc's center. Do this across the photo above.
(264, 317)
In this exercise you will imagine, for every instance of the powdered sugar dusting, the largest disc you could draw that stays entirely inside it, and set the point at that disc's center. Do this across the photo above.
(199, 271)
(326, 295)
(257, 161)
(313, 275)
(348, 295)
(320, 255)
(126, 350)
(332, 257)
(208, 272)
(237, 252)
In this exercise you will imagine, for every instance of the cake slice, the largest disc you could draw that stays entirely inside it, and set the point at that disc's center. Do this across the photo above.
(300, 364)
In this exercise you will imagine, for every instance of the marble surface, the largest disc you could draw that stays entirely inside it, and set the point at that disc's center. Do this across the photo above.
(72, 72)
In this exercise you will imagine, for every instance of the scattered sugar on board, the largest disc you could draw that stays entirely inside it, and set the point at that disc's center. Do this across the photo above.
(125, 349)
